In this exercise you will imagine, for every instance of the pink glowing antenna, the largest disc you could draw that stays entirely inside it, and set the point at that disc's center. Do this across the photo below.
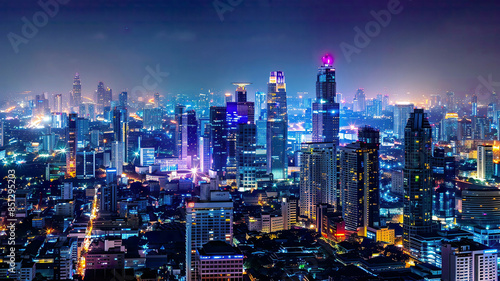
(327, 59)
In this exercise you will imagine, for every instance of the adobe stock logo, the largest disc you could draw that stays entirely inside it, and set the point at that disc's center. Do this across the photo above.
(372, 29)
(50, 8)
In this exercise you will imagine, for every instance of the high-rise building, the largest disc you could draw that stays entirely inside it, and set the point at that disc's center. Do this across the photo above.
(179, 112)
(359, 181)
(318, 178)
(449, 127)
(289, 212)
(466, 260)
(359, 101)
(218, 138)
(120, 127)
(76, 94)
(241, 91)
(418, 187)
(156, 100)
(277, 126)
(401, 114)
(326, 110)
(385, 102)
(82, 132)
(485, 166)
(85, 163)
(2, 133)
(147, 156)
(58, 103)
(444, 174)
(451, 105)
(109, 191)
(474, 105)
(99, 98)
(189, 136)
(247, 167)
(123, 99)
(260, 105)
(72, 146)
(152, 119)
(207, 221)
(117, 156)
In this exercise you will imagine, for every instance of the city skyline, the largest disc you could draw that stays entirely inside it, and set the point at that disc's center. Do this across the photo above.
(193, 41)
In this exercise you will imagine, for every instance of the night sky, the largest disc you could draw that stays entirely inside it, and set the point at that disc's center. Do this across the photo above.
(429, 47)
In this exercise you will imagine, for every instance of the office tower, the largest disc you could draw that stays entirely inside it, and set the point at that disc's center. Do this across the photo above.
(218, 138)
(466, 260)
(326, 111)
(474, 105)
(359, 181)
(216, 259)
(156, 100)
(449, 127)
(123, 99)
(205, 150)
(247, 167)
(99, 98)
(76, 94)
(41, 105)
(480, 127)
(444, 173)
(318, 178)
(120, 128)
(207, 221)
(67, 191)
(48, 142)
(289, 212)
(147, 156)
(401, 114)
(417, 201)
(108, 97)
(241, 92)
(360, 101)
(260, 105)
(58, 103)
(59, 120)
(179, 112)
(385, 102)
(485, 162)
(465, 131)
(117, 156)
(82, 132)
(109, 191)
(153, 119)
(277, 126)
(189, 136)
(240, 112)
(85, 163)
(95, 137)
(72, 145)
(261, 132)
(451, 105)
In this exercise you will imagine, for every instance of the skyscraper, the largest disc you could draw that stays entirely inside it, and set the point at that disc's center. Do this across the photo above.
(241, 92)
(58, 103)
(326, 111)
(117, 156)
(123, 99)
(474, 105)
(247, 167)
(401, 113)
(277, 126)
(260, 105)
(109, 191)
(72, 143)
(417, 201)
(318, 177)
(207, 221)
(218, 137)
(360, 101)
(485, 162)
(451, 105)
(120, 127)
(76, 94)
(189, 136)
(99, 98)
(359, 181)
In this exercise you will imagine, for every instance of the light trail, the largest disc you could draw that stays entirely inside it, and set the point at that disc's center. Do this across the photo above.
(88, 238)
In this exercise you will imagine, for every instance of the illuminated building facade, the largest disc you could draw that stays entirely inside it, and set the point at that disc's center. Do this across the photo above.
(72, 146)
(485, 166)
(218, 137)
(418, 187)
(326, 111)
(277, 126)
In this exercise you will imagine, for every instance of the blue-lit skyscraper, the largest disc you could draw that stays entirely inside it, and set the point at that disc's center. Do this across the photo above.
(260, 105)
(277, 126)
(326, 112)
(218, 141)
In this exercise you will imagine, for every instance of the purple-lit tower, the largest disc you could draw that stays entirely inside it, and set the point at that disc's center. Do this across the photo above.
(326, 112)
